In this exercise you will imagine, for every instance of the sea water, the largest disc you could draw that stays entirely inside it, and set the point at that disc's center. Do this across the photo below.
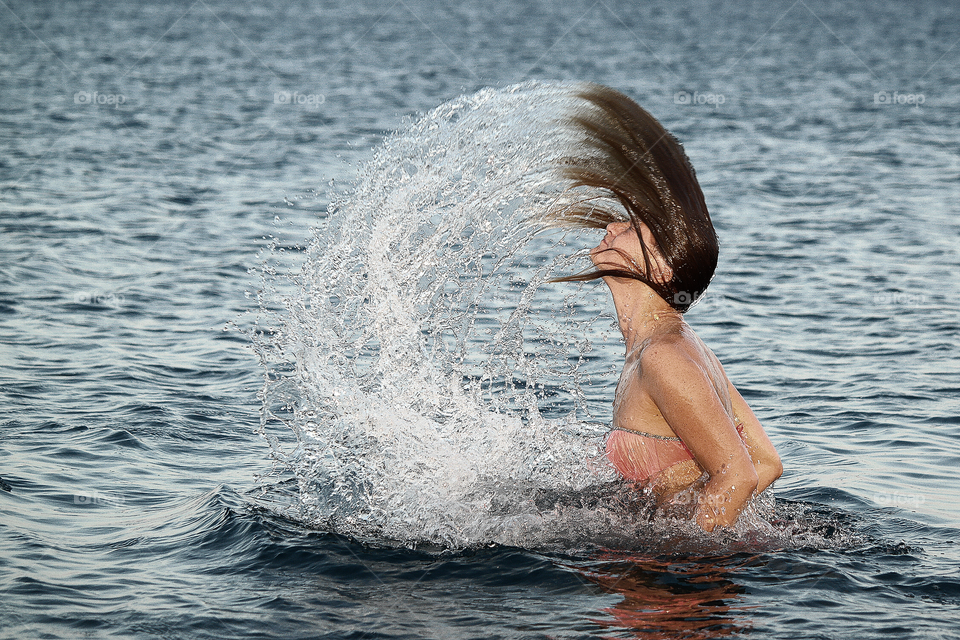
(142, 496)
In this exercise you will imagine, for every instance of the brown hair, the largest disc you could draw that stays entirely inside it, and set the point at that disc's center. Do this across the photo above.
(630, 157)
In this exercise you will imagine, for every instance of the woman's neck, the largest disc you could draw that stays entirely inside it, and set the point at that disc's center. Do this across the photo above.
(641, 312)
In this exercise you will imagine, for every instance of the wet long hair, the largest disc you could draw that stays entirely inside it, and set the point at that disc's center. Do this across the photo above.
(628, 158)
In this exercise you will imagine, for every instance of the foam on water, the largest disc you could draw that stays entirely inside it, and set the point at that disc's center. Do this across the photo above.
(423, 345)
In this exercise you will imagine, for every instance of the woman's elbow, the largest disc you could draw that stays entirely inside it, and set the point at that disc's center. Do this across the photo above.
(777, 468)
(768, 472)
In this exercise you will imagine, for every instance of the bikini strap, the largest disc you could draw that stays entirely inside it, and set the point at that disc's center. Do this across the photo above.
(648, 435)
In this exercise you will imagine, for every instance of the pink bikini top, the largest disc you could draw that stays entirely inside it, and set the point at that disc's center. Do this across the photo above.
(639, 456)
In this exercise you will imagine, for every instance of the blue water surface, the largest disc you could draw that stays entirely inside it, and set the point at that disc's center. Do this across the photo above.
(151, 150)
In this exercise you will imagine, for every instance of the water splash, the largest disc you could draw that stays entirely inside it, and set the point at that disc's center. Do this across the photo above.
(430, 371)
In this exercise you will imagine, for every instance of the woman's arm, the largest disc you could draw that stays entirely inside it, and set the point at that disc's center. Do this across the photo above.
(765, 458)
(688, 401)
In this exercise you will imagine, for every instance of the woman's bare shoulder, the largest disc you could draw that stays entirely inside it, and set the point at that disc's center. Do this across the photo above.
(670, 360)
(675, 347)
(682, 360)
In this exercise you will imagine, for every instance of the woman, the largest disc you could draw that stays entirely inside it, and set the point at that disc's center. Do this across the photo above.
(678, 422)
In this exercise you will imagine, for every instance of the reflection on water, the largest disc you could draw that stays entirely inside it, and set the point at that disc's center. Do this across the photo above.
(689, 598)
